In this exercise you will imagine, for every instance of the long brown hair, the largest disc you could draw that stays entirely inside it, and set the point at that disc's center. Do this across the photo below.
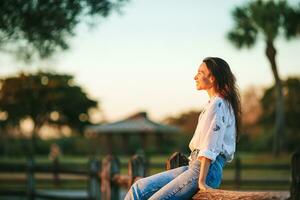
(225, 85)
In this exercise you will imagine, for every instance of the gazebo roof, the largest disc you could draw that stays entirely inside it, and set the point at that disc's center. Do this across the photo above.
(138, 123)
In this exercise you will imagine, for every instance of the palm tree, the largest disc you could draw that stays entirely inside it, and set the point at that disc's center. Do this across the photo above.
(267, 20)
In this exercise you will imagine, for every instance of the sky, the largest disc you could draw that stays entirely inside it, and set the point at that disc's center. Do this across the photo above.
(145, 58)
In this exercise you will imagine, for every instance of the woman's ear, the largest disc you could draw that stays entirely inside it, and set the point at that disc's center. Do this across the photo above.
(212, 79)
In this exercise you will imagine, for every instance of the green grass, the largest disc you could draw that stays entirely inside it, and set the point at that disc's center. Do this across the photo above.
(259, 157)
(244, 156)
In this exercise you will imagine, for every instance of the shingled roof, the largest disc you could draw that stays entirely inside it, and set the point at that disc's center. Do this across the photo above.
(138, 123)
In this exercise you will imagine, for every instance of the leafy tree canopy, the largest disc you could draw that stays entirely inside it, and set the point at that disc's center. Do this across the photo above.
(46, 98)
(291, 88)
(266, 17)
(35, 28)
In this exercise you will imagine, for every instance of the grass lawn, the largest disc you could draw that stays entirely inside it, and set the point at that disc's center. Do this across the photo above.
(244, 156)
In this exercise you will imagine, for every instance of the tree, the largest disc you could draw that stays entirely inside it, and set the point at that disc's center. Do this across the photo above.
(251, 106)
(37, 29)
(48, 99)
(186, 121)
(291, 88)
(267, 19)
(251, 111)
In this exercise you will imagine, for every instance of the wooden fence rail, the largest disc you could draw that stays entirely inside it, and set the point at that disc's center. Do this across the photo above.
(105, 180)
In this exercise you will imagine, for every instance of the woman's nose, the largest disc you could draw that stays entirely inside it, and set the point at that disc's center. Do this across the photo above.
(195, 77)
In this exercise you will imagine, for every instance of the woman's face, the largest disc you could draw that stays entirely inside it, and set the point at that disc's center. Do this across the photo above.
(204, 79)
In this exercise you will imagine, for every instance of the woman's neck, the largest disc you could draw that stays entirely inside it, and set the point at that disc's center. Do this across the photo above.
(211, 92)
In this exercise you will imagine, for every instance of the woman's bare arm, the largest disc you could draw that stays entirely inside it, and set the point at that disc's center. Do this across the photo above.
(205, 162)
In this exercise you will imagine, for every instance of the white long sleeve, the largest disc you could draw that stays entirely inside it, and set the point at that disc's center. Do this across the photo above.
(215, 132)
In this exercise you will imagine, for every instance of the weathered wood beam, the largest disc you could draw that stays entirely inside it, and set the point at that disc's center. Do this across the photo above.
(94, 181)
(176, 160)
(136, 168)
(295, 185)
(30, 179)
(239, 195)
(121, 179)
(110, 167)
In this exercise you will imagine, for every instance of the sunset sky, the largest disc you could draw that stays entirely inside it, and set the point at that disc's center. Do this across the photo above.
(145, 58)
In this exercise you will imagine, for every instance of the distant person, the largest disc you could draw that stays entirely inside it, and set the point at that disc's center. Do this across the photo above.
(212, 145)
(55, 152)
(54, 155)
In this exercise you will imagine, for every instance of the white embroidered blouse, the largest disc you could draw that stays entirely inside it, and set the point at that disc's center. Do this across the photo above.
(215, 132)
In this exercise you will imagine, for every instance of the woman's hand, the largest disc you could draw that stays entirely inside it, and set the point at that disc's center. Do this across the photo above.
(202, 186)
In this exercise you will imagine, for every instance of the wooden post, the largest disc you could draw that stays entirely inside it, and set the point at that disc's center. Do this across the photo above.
(109, 142)
(109, 189)
(237, 175)
(176, 160)
(136, 169)
(30, 179)
(94, 185)
(55, 172)
(125, 142)
(143, 140)
(159, 143)
(295, 186)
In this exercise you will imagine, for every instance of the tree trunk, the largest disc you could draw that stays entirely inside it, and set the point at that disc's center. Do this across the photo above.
(34, 140)
(33, 144)
(279, 121)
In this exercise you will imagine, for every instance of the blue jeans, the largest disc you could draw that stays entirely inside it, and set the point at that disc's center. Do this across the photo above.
(179, 183)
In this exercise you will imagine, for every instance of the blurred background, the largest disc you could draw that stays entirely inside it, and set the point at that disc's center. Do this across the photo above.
(84, 79)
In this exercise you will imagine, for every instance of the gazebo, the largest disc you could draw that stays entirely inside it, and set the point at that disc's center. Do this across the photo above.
(138, 124)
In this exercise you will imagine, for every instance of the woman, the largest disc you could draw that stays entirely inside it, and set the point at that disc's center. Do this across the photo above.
(212, 145)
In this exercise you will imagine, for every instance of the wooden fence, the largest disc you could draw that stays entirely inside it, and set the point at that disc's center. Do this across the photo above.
(91, 173)
(105, 180)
